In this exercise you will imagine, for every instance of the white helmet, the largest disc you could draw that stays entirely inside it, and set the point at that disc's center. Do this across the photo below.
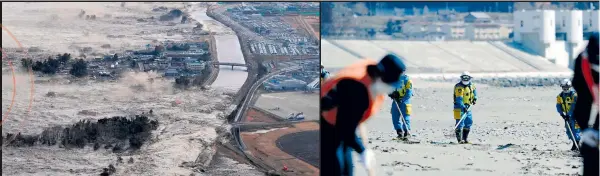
(465, 76)
(565, 84)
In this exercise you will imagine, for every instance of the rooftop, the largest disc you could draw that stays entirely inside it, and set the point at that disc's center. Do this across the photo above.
(480, 15)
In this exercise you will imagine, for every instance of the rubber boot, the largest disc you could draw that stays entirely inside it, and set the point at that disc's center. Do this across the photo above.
(458, 133)
(400, 134)
(465, 134)
(573, 148)
(406, 135)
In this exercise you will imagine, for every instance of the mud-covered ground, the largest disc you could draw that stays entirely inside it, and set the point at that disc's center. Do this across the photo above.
(184, 128)
(56, 28)
(524, 117)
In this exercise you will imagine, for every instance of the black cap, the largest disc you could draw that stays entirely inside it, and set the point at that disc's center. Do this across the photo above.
(391, 68)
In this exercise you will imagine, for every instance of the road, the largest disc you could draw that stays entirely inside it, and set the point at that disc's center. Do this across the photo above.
(244, 106)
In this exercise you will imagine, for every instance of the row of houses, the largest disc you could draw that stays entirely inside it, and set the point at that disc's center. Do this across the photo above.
(478, 30)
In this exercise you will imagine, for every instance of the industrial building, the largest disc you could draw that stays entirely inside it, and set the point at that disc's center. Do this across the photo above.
(555, 35)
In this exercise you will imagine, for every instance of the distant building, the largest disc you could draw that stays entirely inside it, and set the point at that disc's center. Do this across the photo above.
(486, 31)
(454, 31)
(195, 66)
(435, 36)
(171, 73)
(478, 17)
(590, 21)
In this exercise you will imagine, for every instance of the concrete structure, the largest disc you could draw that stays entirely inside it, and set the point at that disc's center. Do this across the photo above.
(590, 21)
(439, 56)
(555, 35)
(569, 28)
(478, 17)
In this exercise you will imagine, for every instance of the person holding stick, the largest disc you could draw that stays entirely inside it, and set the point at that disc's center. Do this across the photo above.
(465, 95)
(401, 108)
(565, 104)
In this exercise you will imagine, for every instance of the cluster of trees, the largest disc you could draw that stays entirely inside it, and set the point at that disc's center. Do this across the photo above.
(48, 66)
(53, 65)
(118, 133)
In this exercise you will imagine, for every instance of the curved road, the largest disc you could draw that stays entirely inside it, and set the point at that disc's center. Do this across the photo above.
(246, 101)
(308, 152)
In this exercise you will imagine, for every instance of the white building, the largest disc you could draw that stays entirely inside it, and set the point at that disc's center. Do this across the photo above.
(590, 21)
(486, 31)
(537, 30)
(454, 31)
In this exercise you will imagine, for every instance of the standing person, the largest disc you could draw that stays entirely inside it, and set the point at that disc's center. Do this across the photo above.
(585, 83)
(348, 99)
(565, 104)
(401, 107)
(465, 95)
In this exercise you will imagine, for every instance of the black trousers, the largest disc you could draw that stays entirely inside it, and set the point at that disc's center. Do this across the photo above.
(336, 158)
(590, 160)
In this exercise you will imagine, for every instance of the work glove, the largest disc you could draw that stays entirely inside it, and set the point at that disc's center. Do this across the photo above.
(394, 95)
(466, 107)
(367, 159)
(589, 137)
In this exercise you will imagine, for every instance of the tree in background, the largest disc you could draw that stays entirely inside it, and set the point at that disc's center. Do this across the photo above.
(50, 66)
(64, 59)
(26, 63)
(79, 68)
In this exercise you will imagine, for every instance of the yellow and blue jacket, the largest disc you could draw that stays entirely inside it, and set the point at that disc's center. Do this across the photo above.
(464, 94)
(565, 102)
(405, 91)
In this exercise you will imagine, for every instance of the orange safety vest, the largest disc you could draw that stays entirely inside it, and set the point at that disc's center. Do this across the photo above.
(356, 72)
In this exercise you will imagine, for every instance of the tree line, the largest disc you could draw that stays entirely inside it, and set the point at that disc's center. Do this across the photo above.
(117, 133)
(53, 64)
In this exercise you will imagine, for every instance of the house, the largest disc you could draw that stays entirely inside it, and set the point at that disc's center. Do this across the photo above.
(195, 66)
(171, 73)
(478, 17)
(483, 31)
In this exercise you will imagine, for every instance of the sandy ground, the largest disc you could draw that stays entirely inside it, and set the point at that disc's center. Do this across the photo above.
(525, 117)
(183, 129)
(290, 102)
